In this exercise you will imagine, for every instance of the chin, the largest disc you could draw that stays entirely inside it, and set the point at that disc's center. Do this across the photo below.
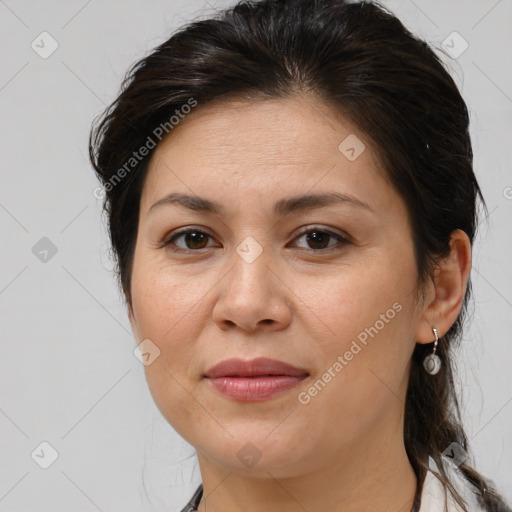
(256, 454)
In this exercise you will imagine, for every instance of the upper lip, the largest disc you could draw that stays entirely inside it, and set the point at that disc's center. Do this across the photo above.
(253, 367)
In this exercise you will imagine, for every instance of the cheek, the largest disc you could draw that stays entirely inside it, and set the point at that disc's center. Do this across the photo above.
(370, 313)
(164, 300)
(167, 308)
(349, 302)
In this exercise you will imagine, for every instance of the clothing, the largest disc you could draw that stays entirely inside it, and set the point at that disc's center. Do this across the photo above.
(192, 505)
(432, 495)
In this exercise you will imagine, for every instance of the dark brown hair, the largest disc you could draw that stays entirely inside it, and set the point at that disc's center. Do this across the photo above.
(359, 59)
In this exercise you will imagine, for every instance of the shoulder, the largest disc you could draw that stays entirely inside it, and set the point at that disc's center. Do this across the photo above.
(433, 493)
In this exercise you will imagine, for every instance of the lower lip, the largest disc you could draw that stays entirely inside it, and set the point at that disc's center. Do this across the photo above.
(254, 389)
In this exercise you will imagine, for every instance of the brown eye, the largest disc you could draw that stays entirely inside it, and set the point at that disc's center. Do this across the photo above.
(321, 239)
(191, 239)
(318, 239)
(196, 240)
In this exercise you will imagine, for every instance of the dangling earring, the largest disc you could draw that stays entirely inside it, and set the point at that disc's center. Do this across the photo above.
(432, 363)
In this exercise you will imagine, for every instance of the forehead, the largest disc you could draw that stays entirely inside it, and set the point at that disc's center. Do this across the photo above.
(265, 147)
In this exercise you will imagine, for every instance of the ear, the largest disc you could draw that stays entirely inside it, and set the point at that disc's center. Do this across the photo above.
(445, 294)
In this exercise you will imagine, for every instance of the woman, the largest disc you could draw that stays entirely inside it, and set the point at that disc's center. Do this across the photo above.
(292, 206)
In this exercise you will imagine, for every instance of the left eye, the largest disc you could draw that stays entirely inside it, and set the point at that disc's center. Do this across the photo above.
(195, 239)
(319, 239)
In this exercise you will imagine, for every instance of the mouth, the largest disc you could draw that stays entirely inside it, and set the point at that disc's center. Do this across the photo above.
(254, 380)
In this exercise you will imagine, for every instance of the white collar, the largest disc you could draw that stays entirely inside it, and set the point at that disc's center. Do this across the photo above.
(433, 494)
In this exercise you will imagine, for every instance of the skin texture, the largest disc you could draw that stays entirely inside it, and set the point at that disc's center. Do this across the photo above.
(344, 449)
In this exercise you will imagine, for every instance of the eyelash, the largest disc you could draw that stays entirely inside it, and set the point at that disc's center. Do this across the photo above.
(168, 242)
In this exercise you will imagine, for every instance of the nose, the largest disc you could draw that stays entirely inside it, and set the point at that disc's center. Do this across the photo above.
(252, 297)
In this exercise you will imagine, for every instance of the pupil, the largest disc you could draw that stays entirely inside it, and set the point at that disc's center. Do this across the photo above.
(315, 237)
(194, 240)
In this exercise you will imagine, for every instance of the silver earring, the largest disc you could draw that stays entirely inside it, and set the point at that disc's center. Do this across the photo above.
(432, 363)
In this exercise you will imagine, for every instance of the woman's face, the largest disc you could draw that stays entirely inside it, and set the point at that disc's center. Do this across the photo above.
(325, 284)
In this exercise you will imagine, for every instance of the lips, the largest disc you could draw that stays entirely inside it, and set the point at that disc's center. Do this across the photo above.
(255, 380)
(259, 367)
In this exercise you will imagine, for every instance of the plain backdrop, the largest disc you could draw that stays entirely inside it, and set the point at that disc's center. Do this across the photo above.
(68, 375)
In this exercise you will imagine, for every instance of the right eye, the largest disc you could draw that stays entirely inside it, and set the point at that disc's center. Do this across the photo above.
(192, 240)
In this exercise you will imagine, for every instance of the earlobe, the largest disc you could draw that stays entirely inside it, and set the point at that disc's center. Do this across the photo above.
(450, 284)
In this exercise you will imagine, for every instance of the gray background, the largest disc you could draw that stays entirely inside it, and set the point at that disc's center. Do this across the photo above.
(68, 375)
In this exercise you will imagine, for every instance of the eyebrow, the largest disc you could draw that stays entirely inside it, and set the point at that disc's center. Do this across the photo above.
(281, 208)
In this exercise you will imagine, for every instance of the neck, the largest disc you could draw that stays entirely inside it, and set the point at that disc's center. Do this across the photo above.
(377, 476)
